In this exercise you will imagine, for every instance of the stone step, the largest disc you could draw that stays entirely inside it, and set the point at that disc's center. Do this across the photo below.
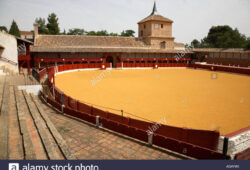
(26, 132)
(44, 133)
(23, 80)
(4, 120)
(33, 147)
(7, 70)
(2, 73)
(57, 136)
(2, 82)
(15, 138)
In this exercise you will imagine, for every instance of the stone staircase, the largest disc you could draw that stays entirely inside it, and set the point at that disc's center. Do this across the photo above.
(26, 132)
(6, 71)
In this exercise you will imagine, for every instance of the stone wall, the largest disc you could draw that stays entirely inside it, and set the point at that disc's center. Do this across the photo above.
(9, 51)
(154, 36)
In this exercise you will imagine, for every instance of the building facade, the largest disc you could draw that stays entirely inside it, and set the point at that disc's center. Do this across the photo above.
(154, 43)
(8, 51)
(28, 35)
(14, 52)
(156, 31)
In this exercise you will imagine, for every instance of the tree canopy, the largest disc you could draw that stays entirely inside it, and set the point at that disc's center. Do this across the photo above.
(14, 30)
(113, 34)
(128, 33)
(248, 44)
(76, 31)
(102, 33)
(195, 43)
(42, 28)
(53, 25)
(64, 32)
(98, 33)
(222, 37)
(3, 28)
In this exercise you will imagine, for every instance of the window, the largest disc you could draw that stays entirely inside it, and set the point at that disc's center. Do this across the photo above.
(156, 26)
(161, 25)
(1, 51)
(141, 33)
(144, 26)
(163, 44)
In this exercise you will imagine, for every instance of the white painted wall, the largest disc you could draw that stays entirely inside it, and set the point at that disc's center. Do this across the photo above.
(34, 89)
(12, 67)
(27, 36)
(9, 52)
(236, 144)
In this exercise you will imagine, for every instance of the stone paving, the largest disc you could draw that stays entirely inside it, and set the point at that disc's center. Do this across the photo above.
(88, 142)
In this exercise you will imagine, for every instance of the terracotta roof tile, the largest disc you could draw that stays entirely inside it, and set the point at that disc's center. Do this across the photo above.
(155, 18)
(26, 33)
(176, 44)
(79, 43)
(86, 41)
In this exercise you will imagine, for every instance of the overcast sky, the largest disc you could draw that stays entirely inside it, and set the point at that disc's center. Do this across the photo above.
(192, 18)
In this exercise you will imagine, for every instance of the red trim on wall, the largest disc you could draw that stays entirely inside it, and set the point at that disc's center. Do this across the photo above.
(237, 132)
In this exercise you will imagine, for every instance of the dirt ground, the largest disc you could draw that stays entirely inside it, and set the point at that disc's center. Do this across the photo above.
(188, 98)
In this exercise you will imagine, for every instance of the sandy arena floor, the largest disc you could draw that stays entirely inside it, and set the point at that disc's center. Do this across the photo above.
(183, 97)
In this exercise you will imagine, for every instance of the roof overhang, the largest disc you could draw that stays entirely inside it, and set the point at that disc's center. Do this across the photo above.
(221, 50)
(23, 40)
(104, 50)
(141, 22)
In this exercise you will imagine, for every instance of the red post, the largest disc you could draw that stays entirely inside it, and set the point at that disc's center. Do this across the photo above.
(53, 79)
(28, 65)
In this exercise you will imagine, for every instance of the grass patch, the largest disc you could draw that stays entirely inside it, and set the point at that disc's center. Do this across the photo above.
(63, 129)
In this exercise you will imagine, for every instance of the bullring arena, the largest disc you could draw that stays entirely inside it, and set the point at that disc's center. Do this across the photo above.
(196, 99)
(112, 97)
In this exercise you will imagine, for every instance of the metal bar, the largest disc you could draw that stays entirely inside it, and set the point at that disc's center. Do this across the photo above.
(225, 147)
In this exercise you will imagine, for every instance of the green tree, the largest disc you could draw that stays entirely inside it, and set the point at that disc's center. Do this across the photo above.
(64, 32)
(14, 30)
(3, 28)
(53, 25)
(247, 46)
(102, 33)
(195, 43)
(127, 33)
(42, 28)
(113, 34)
(91, 33)
(224, 37)
(76, 31)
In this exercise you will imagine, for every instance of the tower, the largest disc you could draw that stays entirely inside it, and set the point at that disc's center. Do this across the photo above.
(156, 30)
